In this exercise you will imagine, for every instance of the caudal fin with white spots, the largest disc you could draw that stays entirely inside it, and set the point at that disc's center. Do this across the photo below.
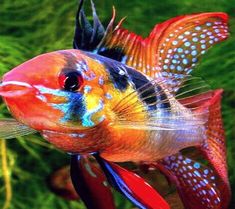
(197, 185)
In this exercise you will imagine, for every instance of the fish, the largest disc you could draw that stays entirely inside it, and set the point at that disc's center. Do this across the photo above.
(117, 97)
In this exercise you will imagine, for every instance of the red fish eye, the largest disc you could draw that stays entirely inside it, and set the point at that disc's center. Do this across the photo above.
(70, 81)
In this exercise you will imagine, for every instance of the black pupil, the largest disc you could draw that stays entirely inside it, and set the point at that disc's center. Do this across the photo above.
(72, 81)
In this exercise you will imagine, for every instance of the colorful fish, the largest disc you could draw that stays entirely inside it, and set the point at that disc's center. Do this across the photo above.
(117, 97)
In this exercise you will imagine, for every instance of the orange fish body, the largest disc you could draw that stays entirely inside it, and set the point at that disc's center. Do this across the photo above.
(121, 98)
(80, 135)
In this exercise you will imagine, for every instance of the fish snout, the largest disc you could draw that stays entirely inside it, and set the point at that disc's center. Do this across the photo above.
(11, 89)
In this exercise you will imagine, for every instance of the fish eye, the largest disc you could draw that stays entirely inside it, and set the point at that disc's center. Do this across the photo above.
(70, 81)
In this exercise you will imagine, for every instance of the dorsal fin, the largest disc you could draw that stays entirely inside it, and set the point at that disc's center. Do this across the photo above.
(170, 52)
(172, 49)
(86, 36)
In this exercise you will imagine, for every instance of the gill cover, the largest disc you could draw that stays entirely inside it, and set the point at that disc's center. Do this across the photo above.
(60, 88)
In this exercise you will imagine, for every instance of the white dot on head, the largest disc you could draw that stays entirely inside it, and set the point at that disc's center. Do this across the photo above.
(101, 81)
(121, 72)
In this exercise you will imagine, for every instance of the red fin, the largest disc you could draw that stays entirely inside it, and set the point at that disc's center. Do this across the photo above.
(132, 186)
(90, 183)
(196, 184)
(172, 48)
(197, 101)
(171, 51)
(214, 148)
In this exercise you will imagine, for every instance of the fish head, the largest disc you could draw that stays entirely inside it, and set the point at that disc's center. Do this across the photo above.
(56, 91)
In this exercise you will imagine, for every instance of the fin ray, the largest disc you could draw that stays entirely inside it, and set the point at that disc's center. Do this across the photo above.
(11, 128)
(166, 112)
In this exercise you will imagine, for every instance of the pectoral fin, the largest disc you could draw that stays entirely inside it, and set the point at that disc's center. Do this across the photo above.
(11, 128)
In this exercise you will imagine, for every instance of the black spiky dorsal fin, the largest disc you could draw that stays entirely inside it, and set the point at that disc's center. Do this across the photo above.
(86, 36)
(92, 38)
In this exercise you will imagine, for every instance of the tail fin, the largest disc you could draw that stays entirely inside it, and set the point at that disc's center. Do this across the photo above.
(214, 148)
(196, 184)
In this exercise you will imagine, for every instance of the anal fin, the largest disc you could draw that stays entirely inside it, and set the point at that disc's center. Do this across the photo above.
(197, 184)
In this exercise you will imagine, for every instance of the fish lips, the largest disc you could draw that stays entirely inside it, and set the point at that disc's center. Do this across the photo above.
(14, 89)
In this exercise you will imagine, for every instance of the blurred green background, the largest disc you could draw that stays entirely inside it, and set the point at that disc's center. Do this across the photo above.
(32, 27)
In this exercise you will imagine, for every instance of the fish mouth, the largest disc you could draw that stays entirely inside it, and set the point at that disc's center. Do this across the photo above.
(12, 89)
